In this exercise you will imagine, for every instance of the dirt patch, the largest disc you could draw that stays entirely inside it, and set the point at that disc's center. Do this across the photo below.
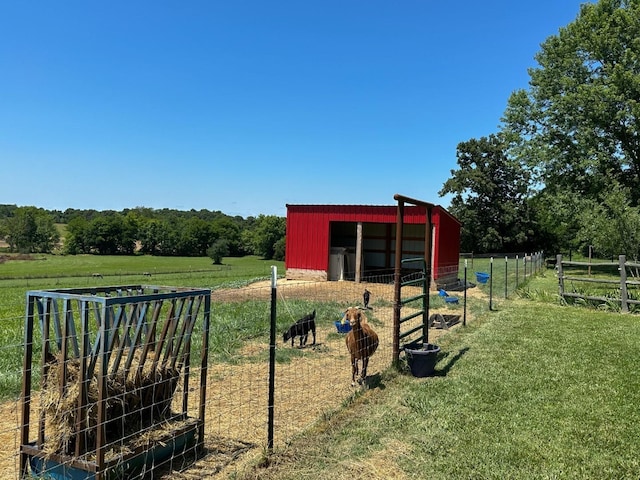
(9, 440)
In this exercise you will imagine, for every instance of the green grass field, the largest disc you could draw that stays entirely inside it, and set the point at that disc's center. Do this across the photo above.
(80, 268)
(45, 272)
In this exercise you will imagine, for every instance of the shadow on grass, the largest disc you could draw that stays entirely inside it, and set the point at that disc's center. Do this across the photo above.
(375, 381)
(442, 372)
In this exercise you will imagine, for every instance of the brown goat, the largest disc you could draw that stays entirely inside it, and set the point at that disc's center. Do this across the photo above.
(362, 342)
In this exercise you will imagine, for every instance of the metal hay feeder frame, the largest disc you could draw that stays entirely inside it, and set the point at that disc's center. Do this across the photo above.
(103, 330)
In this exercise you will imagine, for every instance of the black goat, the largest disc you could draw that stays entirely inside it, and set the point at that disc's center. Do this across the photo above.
(301, 328)
(365, 298)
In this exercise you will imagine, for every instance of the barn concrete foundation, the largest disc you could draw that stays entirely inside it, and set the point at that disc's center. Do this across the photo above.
(304, 274)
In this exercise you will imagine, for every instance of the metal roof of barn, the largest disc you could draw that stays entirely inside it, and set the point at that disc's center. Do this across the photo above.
(318, 205)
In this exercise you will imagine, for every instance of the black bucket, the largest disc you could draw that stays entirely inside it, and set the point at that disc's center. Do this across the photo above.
(421, 358)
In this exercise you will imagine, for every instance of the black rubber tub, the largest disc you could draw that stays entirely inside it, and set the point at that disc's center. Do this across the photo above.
(421, 358)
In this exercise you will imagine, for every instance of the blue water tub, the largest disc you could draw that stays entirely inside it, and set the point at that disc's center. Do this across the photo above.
(482, 277)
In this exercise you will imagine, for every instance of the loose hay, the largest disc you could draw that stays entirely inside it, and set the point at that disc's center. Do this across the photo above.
(136, 400)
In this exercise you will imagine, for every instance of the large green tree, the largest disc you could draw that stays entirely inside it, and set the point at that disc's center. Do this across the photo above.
(170, 233)
(264, 235)
(578, 124)
(75, 241)
(490, 191)
(109, 234)
(228, 230)
(30, 230)
(195, 238)
(557, 220)
(612, 225)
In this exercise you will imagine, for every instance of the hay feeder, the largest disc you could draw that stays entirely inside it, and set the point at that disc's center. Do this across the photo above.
(113, 370)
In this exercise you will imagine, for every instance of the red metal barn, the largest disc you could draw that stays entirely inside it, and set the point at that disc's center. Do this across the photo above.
(355, 242)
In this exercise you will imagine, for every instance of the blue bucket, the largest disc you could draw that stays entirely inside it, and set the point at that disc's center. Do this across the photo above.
(342, 327)
(482, 277)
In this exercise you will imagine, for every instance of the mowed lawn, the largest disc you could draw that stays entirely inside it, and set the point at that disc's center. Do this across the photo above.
(532, 390)
(61, 267)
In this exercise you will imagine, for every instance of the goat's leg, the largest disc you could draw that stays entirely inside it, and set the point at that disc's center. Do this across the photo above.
(354, 371)
(363, 377)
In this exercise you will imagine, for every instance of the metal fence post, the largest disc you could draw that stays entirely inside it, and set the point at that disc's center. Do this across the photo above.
(272, 359)
(464, 312)
(491, 285)
(506, 274)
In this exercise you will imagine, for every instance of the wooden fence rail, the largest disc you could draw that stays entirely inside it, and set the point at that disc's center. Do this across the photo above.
(622, 281)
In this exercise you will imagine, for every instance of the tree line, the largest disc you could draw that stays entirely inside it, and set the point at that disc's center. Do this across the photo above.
(142, 230)
(562, 172)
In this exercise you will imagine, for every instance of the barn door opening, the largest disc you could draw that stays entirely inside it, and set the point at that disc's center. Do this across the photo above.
(344, 246)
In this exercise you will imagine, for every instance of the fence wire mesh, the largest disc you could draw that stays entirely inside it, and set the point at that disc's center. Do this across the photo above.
(500, 275)
(312, 379)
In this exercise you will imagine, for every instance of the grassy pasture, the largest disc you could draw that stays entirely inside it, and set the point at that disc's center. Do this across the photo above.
(78, 269)
(44, 272)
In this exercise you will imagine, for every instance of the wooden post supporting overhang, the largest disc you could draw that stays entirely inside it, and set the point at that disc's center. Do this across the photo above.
(359, 253)
(401, 199)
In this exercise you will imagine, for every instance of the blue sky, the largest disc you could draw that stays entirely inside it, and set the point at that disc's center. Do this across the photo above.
(245, 106)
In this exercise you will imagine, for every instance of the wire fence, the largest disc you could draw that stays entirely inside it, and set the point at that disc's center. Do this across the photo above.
(312, 378)
(500, 275)
(224, 413)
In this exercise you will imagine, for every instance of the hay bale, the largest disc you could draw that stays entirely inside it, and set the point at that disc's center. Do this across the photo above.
(135, 400)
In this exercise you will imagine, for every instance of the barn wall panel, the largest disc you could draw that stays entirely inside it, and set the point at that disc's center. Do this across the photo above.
(307, 239)
(446, 245)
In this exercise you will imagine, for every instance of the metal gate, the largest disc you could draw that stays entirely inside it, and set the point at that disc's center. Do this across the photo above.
(420, 277)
